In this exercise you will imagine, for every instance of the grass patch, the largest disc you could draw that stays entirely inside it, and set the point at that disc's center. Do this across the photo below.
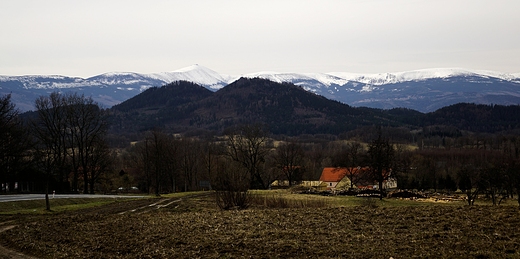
(369, 202)
(483, 201)
(288, 201)
(181, 194)
(350, 201)
(57, 205)
(284, 198)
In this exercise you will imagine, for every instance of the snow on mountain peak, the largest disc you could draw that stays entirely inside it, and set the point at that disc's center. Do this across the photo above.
(341, 86)
(196, 74)
(325, 79)
(113, 74)
(418, 75)
(193, 67)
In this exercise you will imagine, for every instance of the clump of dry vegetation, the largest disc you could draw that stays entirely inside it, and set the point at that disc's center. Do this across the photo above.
(282, 201)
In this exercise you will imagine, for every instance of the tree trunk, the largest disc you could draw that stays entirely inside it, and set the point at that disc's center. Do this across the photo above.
(75, 182)
(157, 183)
(381, 186)
(85, 181)
(47, 202)
(92, 185)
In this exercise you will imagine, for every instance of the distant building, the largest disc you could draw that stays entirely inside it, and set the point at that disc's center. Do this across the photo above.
(339, 178)
(332, 176)
(285, 184)
(335, 178)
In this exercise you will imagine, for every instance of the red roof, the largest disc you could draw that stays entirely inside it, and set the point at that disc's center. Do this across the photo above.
(333, 174)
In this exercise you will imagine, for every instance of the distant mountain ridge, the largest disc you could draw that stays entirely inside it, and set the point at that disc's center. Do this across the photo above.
(422, 90)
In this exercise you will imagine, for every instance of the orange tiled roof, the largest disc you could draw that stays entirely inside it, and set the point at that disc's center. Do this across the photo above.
(333, 174)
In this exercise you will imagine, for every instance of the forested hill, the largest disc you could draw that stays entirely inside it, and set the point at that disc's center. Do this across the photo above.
(476, 117)
(286, 109)
(283, 107)
(173, 94)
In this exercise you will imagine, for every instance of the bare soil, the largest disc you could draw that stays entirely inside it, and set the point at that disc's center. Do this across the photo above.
(194, 227)
(6, 253)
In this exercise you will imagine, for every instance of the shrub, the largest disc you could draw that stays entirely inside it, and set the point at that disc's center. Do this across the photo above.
(231, 184)
(232, 199)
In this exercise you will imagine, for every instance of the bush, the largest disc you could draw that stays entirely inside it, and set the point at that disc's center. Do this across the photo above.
(231, 184)
(227, 200)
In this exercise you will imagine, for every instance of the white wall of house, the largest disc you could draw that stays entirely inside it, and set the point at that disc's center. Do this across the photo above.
(391, 183)
(331, 185)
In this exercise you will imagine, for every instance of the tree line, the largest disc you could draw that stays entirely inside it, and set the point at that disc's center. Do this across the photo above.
(64, 147)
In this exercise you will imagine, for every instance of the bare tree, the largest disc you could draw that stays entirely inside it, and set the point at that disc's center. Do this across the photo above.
(101, 162)
(469, 182)
(171, 163)
(247, 145)
(211, 152)
(156, 145)
(353, 158)
(402, 163)
(69, 127)
(87, 125)
(470, 173)
(50, 130)
(313, 160)
(380, 159)
(14, 141)
(289, 158)
(138, 157)
(495, 177)
(513, 175)
(189, 159)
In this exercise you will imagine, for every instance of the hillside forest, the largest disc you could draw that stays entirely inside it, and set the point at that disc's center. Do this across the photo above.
(180, 137)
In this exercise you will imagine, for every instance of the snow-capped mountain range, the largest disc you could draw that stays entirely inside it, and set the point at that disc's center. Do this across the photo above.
(423, 90)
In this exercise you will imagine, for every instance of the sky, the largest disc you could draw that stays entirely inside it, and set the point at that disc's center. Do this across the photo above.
(87, 38)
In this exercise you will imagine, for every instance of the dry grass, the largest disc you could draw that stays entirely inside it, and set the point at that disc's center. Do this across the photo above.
(278, 201)
(196, 228)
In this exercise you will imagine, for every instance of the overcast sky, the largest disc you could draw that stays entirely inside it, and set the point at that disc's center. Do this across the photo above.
(87, 38)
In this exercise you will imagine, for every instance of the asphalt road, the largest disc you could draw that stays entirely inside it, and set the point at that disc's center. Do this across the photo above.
(25, 197)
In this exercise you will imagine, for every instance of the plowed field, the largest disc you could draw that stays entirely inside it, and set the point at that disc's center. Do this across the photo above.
(195, 228)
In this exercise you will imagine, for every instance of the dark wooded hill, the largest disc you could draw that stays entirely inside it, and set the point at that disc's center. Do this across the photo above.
(174, 94)
(476, 117)
(284, 108)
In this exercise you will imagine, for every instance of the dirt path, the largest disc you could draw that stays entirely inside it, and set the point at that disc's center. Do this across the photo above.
(162, 203)
(139, 206)
(6, 253)
(154, 206)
